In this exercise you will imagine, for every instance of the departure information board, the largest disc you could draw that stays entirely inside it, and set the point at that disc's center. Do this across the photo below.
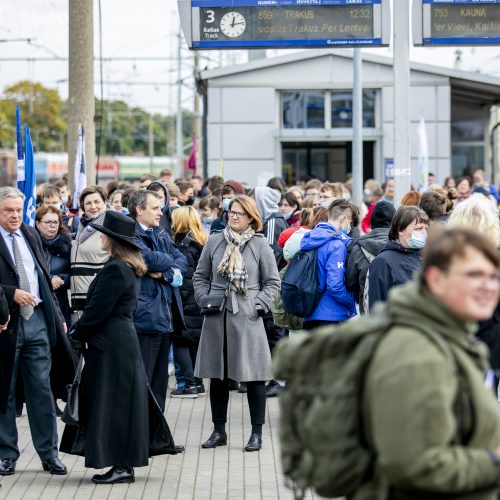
(217, 24)
(458, 22)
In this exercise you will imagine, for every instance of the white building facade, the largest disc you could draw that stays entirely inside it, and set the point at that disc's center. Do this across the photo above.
(291, 116)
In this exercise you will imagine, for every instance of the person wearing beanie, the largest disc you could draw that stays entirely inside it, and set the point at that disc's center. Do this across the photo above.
(229, 190)
(367, 248)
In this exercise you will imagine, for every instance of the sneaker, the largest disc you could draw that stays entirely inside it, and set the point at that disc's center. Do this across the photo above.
(185, 392)
(273, 389)
(201, 389)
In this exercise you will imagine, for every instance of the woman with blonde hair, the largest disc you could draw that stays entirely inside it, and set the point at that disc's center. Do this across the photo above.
(236, 281)
(189, 237)
(478, 213)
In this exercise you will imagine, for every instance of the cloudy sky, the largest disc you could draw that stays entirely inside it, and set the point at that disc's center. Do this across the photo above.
(140, 29)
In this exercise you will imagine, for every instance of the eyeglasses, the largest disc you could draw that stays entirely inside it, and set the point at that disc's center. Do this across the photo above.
(238, 215)
(477, 278)
(51, 223)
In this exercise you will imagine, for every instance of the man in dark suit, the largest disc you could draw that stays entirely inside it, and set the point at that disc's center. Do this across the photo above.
(35, 331)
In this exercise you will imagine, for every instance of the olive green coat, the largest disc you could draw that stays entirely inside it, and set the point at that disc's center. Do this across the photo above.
(410, 408)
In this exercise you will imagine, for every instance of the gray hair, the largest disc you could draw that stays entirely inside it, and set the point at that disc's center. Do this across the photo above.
(139, 198)
(10, 192)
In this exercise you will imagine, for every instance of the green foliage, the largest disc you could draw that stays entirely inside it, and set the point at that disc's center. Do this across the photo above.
(121, 130)
(41, 108)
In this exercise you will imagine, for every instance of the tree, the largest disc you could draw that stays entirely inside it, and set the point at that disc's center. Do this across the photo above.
(120, 130)
(41, 108)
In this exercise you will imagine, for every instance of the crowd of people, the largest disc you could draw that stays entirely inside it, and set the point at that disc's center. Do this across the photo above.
(184, 276)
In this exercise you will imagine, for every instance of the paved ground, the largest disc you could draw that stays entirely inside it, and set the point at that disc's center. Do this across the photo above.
(223, 473)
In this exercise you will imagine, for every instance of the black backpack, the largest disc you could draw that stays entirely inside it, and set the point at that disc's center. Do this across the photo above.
(300, 290)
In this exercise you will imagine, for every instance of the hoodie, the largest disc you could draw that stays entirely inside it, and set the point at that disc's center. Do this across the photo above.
(337, 303)
(393, 266)
(166, 218)
(274, 223)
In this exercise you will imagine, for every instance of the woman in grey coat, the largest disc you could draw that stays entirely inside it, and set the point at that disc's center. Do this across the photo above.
(240, 264)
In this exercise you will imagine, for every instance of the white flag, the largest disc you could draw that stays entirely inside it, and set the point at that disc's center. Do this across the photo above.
(80, 167)
(423, 155)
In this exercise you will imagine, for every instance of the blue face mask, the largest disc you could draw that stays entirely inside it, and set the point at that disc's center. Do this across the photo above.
(287, 216)
(326, 204)
(417, 240)
(225, 203)
(346, 230)
(208, 220)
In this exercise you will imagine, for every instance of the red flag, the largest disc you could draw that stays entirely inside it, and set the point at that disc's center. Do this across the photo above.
(192, 157)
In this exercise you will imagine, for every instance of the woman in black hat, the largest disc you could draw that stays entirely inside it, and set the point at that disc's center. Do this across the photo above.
(121, 425)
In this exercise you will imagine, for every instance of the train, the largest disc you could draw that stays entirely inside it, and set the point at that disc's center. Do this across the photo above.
(52, 166)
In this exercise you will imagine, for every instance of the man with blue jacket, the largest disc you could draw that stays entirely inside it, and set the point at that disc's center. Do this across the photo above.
(330, 240)
(159, 301)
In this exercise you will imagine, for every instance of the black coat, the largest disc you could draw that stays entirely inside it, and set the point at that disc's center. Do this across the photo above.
(489, 333)
(117, 417)
(394, 265)
(62, 371)
(365, 248)
(58, 256)
(193, 320)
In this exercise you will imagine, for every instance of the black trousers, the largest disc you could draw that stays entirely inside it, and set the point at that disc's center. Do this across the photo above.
(310, 325)
(154, 350)
(219, 395)
(32, 360)
(185, 354)
(219, 399)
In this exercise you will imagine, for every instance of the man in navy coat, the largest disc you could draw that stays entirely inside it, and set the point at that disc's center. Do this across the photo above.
(159, 299)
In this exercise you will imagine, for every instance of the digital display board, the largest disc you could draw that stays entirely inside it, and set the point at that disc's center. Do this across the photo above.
(460, 22)
(217, 24)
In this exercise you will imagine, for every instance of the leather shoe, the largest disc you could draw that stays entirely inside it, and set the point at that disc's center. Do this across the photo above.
(54, 466)
(115, 475)
(254, 443)
(7, 466)
(215, 439)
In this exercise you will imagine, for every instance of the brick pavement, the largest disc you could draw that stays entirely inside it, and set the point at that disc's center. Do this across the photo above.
(224, 473)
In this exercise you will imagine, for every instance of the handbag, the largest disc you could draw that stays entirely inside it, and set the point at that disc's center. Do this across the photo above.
(71, 413)
(212, 304)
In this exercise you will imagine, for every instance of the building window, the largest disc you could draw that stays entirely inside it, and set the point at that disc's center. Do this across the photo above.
(303, 109)
(467, 146)
(342, 109)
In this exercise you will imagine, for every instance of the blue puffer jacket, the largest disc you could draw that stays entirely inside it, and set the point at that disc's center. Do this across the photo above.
(393, 266)
(337, 304)
(153, 313)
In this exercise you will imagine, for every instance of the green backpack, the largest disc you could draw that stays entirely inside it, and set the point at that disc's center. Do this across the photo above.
(322, 442)
(280, 317)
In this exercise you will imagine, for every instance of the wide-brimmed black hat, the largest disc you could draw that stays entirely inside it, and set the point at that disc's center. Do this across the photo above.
(118, 226)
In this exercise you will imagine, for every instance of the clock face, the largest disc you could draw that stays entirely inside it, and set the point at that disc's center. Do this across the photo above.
(233, 24)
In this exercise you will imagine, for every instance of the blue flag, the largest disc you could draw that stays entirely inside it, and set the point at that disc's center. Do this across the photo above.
(26, 180)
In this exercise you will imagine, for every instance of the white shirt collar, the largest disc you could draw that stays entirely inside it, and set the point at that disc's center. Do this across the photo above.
(6, 233)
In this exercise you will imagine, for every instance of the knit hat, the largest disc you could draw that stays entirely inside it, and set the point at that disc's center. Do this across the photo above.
(382, 214)
(236, 186)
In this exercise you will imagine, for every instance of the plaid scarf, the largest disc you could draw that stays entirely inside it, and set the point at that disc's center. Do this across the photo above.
(232, 266)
